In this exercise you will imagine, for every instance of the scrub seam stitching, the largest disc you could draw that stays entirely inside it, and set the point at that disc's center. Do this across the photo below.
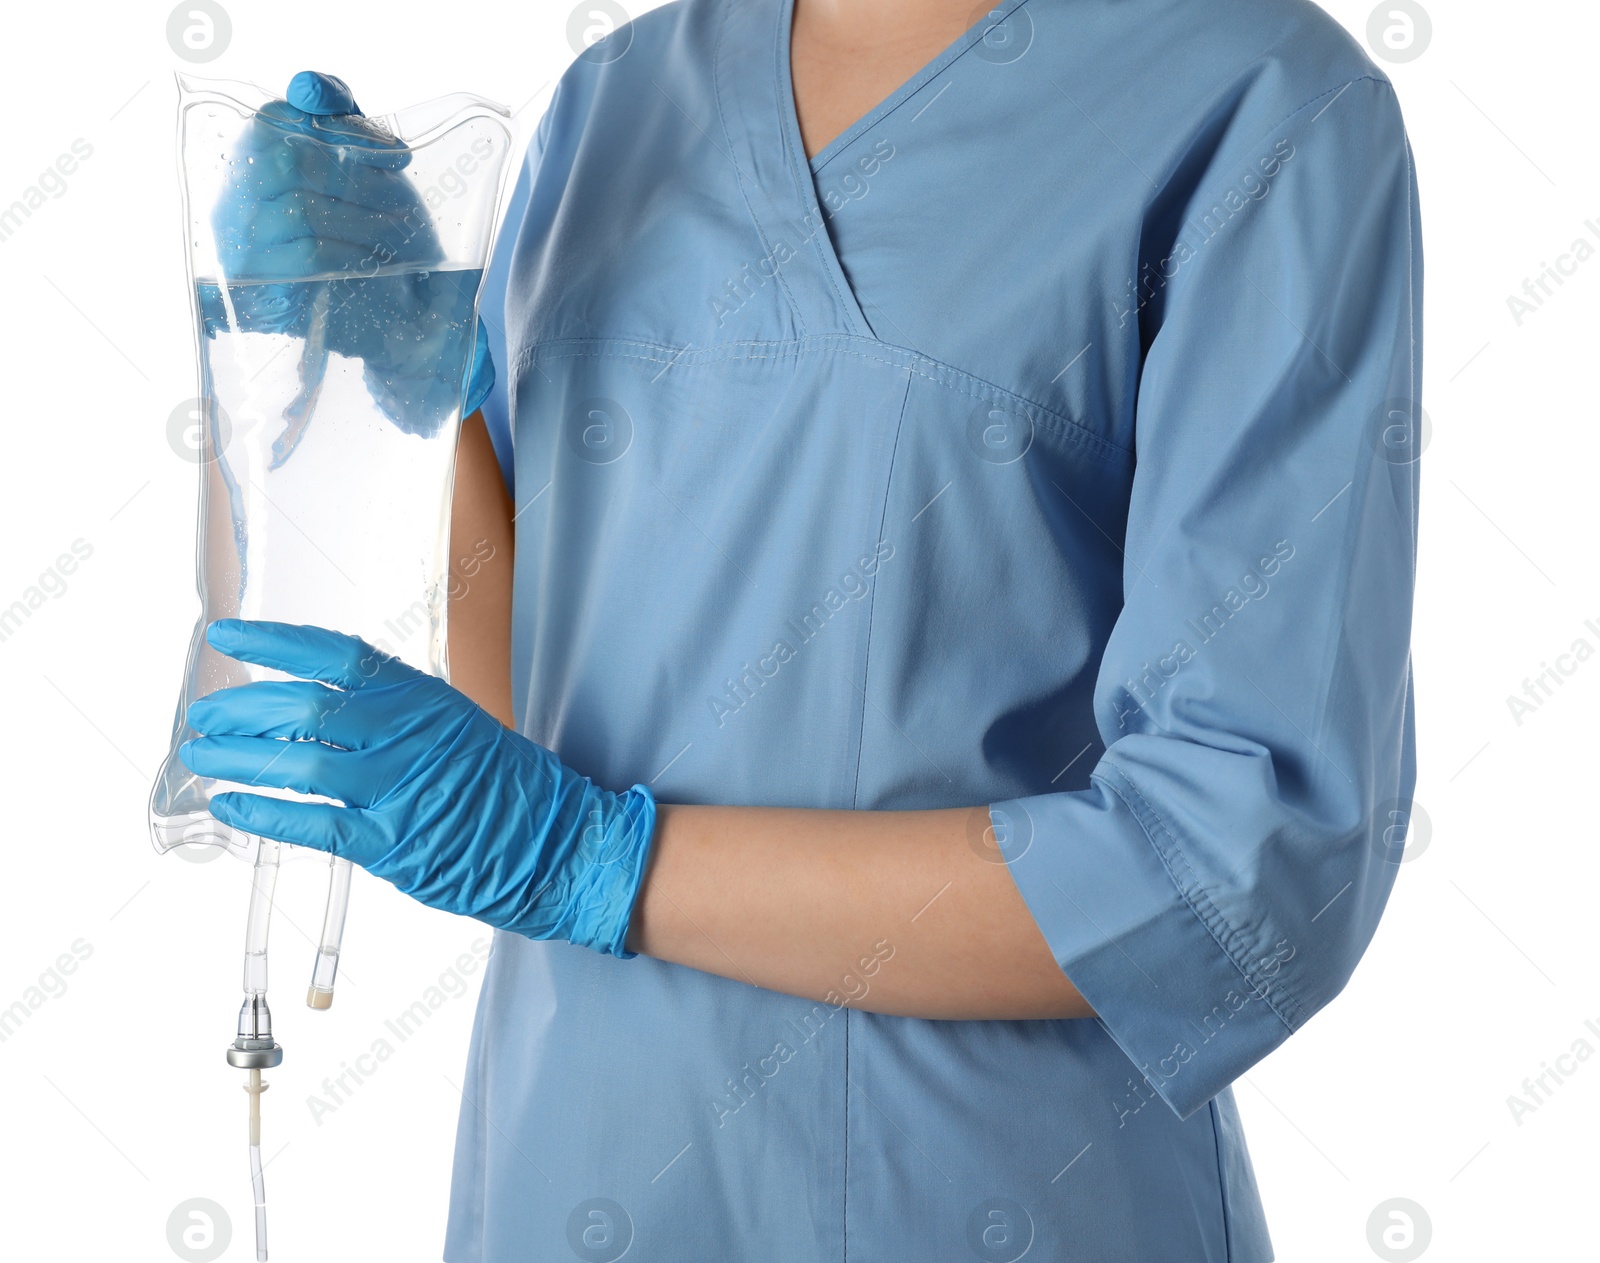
(1222, 1184)
(738, 173)
(1337, 89)
(1193, 894)
(1333, 91)
(883, 517)
(947, 375)
(848, 309)
(844, 1201)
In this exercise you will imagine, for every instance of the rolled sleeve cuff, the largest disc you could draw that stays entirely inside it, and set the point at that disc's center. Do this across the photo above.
(1189, 1000)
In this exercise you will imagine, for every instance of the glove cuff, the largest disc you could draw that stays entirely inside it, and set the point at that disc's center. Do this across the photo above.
(480, 373)
(609, 883)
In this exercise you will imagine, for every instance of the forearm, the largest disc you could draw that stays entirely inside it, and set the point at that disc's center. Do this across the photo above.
(902, 912)
(480, 574)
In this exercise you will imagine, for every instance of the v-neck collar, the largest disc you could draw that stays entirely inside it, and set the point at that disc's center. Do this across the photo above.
(754, 92)
(919, 79)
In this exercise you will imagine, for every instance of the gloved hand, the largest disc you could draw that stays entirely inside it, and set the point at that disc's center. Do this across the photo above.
(318, 189)
(439, 797)
(322, 236)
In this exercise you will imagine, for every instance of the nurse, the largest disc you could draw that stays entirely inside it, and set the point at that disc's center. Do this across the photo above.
(949, 714)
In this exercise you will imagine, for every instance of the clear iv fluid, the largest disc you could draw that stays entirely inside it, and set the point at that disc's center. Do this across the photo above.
(342, 354)
(335, 264)
(306, 380)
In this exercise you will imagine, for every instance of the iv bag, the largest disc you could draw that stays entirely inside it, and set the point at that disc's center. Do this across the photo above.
(334, 267)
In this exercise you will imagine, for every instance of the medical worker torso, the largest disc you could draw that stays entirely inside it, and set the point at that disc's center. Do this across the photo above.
(834, 482)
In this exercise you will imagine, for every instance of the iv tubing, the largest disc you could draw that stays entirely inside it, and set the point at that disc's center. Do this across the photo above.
(262, 882)
(258, 1184)
(320, 994)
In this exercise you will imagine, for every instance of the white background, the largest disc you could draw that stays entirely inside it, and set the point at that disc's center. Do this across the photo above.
(115, 1102)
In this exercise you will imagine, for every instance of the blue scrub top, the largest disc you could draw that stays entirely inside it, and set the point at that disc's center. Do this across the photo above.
(1046, 443)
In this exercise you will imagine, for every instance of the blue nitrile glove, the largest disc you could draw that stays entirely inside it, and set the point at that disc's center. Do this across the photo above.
(439, 797)
(319, 209)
